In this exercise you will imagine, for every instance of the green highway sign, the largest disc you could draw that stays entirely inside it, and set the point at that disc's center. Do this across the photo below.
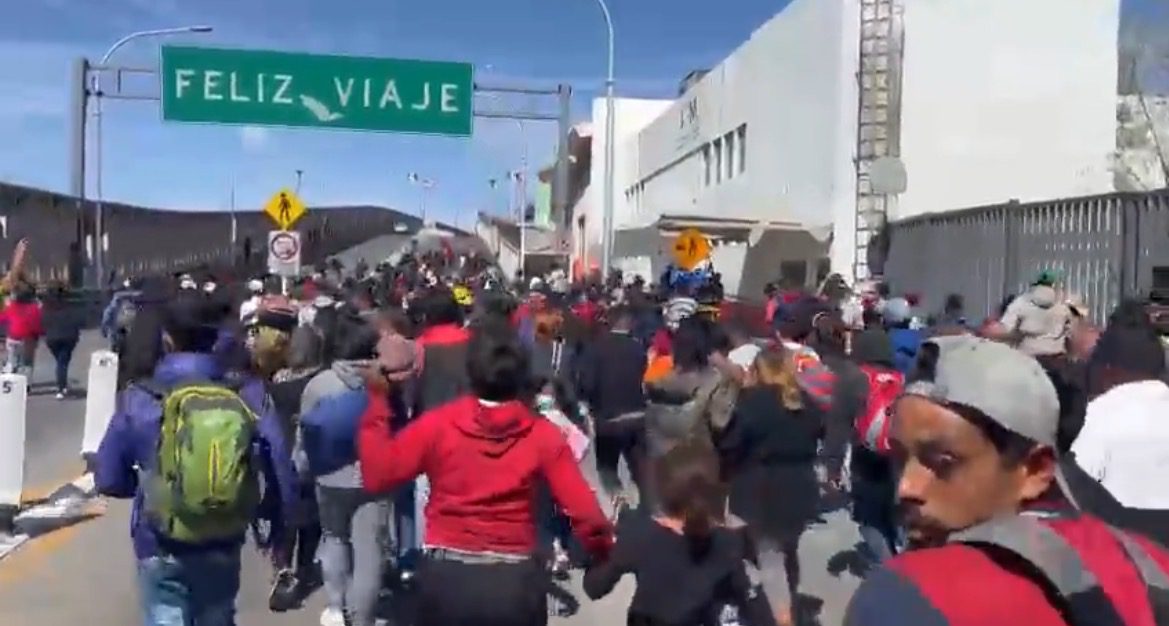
(267, 88)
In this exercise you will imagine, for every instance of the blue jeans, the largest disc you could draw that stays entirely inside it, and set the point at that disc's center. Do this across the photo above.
(197, 589)
(62, 352)
(405, 528)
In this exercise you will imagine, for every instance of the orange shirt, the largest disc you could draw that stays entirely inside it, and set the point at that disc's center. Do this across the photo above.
(657, 368)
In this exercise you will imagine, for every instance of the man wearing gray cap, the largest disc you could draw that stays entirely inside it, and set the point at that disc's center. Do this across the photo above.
(994, 539)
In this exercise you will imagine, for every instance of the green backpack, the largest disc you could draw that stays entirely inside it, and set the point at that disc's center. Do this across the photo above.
(204, 486)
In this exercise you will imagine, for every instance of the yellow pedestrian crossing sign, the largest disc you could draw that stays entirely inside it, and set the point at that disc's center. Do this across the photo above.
(285, 209)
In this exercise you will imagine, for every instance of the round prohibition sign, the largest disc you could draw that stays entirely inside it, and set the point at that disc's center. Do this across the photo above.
(284, 247)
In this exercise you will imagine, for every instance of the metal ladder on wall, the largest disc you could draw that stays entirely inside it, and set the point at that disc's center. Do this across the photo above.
(879, 117)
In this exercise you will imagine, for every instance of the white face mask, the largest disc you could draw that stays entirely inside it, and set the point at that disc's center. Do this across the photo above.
(545, 403)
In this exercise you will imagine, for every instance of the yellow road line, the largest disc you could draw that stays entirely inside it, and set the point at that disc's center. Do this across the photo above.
(41, 492)
(30, 559)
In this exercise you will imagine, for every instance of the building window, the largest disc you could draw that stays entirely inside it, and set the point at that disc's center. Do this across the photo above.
(742, 141)
(706, 165)
(729, 145)
(717, 146)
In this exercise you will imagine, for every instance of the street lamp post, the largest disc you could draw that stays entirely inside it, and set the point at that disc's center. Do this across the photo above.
(523, 198)
(99, 210)
(607, 216)
(427, 184)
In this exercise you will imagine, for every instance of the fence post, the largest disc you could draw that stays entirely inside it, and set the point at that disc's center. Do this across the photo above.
(1130, 247)
(1012, 223)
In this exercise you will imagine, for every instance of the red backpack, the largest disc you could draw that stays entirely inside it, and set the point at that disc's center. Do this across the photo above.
(872, 427)
(1103, 576)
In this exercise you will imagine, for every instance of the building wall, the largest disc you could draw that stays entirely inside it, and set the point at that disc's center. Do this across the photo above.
(745, 269)
(789, 94)
(631, 115)
(999, 100)
(1005, 99)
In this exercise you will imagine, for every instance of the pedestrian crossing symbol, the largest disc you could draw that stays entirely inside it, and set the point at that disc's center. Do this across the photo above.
(285, 209)
(691, 247)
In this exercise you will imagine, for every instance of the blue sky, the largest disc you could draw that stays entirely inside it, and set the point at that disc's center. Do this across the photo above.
(1144, 28)
(193, 166)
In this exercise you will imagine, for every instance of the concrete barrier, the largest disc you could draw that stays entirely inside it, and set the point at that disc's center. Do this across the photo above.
(13, 410)
(21, 521)
(100, 401)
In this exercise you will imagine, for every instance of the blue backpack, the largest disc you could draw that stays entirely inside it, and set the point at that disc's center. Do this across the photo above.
(329, 431)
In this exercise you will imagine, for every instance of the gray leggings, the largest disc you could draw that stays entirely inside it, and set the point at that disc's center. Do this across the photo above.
(355, 530)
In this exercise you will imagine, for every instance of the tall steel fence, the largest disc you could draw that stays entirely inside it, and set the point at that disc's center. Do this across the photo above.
(1105, 248)
(148, 241)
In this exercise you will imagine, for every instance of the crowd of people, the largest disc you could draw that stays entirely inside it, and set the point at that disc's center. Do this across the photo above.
(53, 314)
(422, 426)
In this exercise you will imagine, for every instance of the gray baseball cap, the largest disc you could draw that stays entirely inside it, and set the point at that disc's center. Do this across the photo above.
(1004, 384)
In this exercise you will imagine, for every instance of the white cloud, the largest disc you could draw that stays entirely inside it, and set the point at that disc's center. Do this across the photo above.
(254, 139)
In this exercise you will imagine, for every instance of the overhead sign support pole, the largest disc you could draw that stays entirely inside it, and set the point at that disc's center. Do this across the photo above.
(273, 88)
(79, 110)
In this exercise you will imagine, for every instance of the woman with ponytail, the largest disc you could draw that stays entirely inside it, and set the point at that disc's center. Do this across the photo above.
(691, 570)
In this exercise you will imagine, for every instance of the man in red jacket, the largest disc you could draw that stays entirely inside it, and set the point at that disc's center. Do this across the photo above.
(995, 539)
(484, 454)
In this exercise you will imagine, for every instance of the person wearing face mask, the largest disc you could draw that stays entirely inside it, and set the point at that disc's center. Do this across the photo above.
(555, 403)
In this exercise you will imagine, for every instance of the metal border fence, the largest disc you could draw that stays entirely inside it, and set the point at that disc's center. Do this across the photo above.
(1106, 248)
(156, 242)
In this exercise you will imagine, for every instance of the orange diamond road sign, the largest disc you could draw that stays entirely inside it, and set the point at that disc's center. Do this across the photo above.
(285, 209)
(691, 248)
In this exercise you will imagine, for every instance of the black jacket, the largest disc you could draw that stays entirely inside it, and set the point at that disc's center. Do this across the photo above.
(768, 453)
(63, 320)
(609, 375)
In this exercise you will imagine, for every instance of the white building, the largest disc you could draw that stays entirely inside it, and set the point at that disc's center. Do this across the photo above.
(631, 116)
(982, 100)
(1001, 102)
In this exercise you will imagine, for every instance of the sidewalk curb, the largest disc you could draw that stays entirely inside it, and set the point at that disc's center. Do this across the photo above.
(66, 505)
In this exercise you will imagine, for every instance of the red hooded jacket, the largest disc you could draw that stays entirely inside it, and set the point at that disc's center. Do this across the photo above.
(484, 462)
(23, 320)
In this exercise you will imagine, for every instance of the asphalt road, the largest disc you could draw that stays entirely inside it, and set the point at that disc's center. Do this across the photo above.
(54, 427)
(85, 573)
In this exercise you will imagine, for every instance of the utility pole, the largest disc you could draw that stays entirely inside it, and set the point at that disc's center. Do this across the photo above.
(99, 236)
(610, 151)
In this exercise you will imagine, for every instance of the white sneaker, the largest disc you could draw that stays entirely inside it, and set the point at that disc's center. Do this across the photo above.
(60, 395)
(332, 617)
